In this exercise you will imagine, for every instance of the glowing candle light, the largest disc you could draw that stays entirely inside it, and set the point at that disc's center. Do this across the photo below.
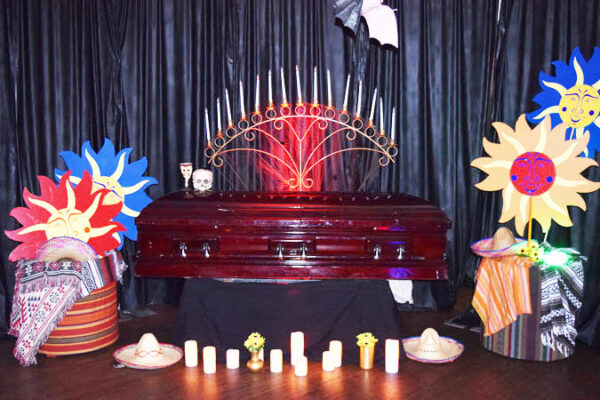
(345, 106)
(359, 99)
(297, 346)
(276, 360)
(233, 358)
(209, 359)
(270, 90)
(393, 130)
(373, 105)
(298, 86)
(315, 100)
(335, 348)
(329, 99)
(285, 102)
(191, 353)
(242, 101)
(392, 355)
(256, 97)
(218, 115)
(301, 367)
(328, 361)
(229, 119)
(207, 127)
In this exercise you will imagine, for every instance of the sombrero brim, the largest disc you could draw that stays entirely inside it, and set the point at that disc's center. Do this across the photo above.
(483, 248)
(171, 354)
(65, 247)
(451, 350)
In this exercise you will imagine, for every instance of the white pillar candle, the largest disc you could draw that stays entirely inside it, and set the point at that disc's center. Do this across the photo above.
(392, 355)
(257, 95)
(329, 99)
(301, 367)
(298, 86)
(229, 119)
(359, 99)
(315, 84)
(207, 127)
(296, 346)
(335, 348)
(373, 104)
(209, 359)
(276, 360)
(242, 108)
(345, 105)
(328, 361)
(233, 358)
(381, 119)
(285, 102)
(191, 353)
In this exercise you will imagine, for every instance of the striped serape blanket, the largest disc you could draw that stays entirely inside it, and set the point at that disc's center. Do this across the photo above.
(502, 291)
(45, 291)
(562, 291)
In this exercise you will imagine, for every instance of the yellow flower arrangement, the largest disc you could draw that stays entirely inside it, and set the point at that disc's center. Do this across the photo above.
(255, 342)
(366, 339)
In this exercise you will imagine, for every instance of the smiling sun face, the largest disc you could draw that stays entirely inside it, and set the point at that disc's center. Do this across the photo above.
(64, 210)
(537, 164)
(579, 106)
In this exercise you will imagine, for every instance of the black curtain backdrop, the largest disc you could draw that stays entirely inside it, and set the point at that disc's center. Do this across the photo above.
(142, 72)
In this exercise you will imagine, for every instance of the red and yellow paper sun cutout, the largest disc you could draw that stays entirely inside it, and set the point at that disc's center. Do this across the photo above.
(65, 210)
(539, 166)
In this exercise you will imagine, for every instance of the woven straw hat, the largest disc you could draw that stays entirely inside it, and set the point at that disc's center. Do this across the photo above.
(432, 348)
(64, 248)
(148, 354)
(503, 243)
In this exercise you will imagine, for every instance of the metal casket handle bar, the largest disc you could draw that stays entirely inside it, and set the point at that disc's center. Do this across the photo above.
(377, 251)
(206, 249)
(280, 251)
(183, 248)
(400, 251)
(303, 250)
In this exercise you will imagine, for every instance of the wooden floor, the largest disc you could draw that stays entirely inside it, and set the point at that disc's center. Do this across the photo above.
(477, 374)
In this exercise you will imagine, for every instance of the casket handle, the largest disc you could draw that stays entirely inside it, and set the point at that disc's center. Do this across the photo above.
(183, 248)
(400, 251)
(377, 250)
(206, 249)
(280, 251)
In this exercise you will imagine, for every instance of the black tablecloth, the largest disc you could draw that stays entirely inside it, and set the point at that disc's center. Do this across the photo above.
(224, 314)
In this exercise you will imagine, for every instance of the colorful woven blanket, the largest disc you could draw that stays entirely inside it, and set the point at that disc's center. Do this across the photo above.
(562, 291)
(502, 291)
(45, 291)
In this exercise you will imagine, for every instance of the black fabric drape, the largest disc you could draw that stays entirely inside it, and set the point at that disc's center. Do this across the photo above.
(141, 73)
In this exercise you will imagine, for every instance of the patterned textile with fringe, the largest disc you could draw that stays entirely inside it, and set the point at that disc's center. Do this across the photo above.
(44, 292)
(562, 291)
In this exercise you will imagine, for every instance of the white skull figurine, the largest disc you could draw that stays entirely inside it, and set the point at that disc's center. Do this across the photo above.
(202, 179)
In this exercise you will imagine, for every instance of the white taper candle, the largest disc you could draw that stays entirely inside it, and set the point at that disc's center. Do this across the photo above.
(359, 99)
(315, 85)
(298, 85)
(218, 114)
(229, 119)
(270, 90)
(373, 105)
(242, 108)
(207, 125)
(345, 106)
(393, 130)
(283, 87)
(257, 95)
(329, 99)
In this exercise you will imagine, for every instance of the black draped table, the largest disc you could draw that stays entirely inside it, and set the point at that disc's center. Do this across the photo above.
(223, 314)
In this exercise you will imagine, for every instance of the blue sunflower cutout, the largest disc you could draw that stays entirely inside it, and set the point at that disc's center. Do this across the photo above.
(114, 172)
(572, 97)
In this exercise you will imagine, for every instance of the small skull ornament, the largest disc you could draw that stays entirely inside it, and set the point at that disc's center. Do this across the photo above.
(202, 179)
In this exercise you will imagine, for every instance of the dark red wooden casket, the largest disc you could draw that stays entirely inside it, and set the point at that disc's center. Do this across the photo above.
(292, 235)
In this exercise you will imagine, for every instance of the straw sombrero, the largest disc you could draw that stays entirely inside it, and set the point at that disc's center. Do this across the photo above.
(148, 354)
(64, 248)
(432, 348)
(503, 243)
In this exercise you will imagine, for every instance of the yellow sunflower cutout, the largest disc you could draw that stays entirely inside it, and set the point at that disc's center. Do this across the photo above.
(536, 165)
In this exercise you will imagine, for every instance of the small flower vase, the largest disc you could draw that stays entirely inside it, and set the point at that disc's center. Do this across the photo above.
(367, 353)
(255, 364)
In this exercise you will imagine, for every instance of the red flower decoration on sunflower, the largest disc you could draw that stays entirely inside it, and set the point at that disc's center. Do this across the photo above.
(65, 210)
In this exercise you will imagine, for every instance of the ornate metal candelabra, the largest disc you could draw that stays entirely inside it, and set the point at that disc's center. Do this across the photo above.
(295, 137)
